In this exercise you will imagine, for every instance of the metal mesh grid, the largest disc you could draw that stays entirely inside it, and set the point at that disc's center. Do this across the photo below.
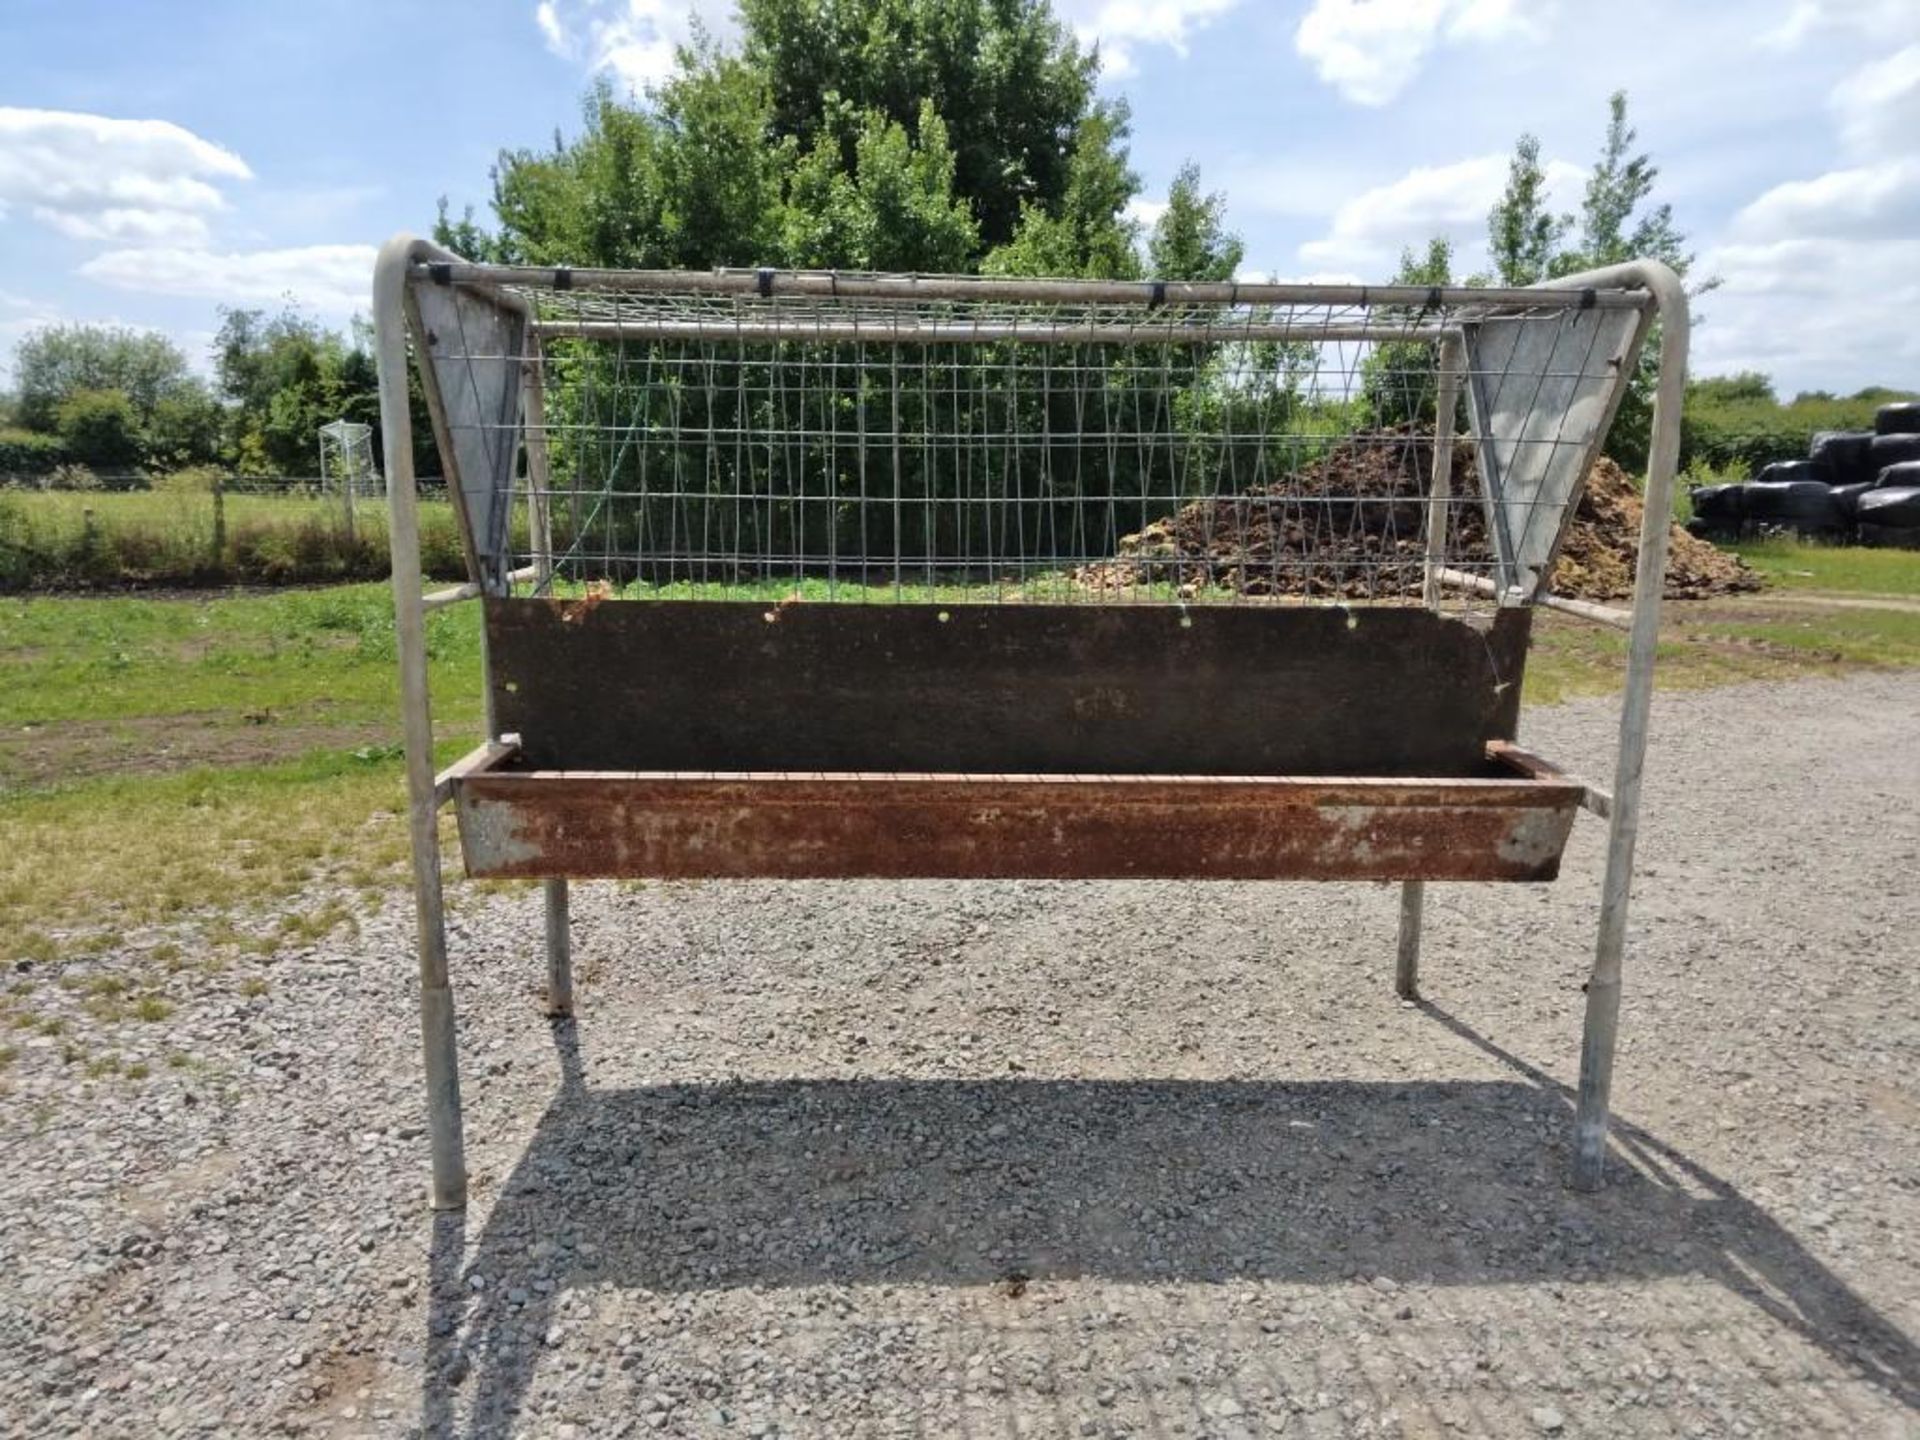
(346, 460)
(980, 442)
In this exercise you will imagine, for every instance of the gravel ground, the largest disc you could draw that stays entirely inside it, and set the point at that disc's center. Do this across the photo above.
(1039, 1159)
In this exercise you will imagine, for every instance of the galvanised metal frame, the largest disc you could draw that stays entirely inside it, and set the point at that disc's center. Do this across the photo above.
(346, 450)
(1648, 286)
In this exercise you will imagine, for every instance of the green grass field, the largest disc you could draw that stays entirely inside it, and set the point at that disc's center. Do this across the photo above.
(161, 756)
(207, 756)
(1852, 570)
(67, 540)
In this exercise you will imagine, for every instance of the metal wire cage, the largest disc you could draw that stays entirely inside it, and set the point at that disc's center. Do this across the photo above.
(813, 574)
(870, 437)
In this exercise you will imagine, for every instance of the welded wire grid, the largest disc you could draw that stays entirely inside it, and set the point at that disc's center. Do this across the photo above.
(818, 447)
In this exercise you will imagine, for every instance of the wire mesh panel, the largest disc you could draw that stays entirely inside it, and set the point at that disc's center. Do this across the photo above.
(346, 460)
(839, 437)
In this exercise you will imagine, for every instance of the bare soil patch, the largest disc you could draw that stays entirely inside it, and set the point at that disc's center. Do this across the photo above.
(158, 745)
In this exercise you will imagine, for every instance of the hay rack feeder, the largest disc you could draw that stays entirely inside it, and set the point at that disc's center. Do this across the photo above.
(818, 575)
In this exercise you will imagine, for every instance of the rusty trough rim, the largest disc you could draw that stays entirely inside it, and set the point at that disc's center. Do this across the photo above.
(1534, 781)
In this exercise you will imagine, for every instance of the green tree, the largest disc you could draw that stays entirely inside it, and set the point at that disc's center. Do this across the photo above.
(1617, 222)
(101, 429)
(53, 364)
(185, 428)
(959, 133)
(1190, 240)
(1748, 387)
(894, 210)
(721, 164)
(286, 376)
(465, 236)
(1735, 424)
(1006, 78)
(595, 200)
(919, 135)
(1085, 232)
(1613, 226)
(1399, 378)
(1524, 236)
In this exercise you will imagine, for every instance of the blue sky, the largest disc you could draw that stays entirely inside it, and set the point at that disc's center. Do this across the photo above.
(160, 159)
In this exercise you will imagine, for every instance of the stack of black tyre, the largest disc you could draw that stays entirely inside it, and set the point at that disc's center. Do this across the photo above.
(1861, 485)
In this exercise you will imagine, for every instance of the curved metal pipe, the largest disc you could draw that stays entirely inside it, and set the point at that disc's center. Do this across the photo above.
(390, 315)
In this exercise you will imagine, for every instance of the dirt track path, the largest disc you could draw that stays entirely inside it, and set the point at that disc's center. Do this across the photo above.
(1140, 1159)
(1902, 604)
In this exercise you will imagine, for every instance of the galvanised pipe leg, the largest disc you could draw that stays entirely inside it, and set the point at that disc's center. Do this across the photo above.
(444, 1131)
(1406, 975)
(1663, 458)
(1596, 1083)
(559, 950)
(437, 1038)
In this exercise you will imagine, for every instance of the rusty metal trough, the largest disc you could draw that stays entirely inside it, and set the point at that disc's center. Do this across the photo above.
(715, 739)
(535, 824)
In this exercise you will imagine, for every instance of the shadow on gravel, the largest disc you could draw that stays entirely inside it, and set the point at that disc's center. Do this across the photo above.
(980, 1182)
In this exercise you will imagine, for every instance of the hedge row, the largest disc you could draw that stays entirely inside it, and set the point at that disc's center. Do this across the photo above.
(28, 452)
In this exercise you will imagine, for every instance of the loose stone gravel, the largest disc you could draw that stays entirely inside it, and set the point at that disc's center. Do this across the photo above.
(1036, 1159)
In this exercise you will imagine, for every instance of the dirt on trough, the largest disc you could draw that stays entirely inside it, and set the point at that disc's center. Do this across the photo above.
(1351, 525)
(1124, 1159)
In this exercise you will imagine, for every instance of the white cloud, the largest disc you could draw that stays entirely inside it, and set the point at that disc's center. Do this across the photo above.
(96, 178)
(141, 226)
(548, 19)
(1821, 276)
(1862, 203)
(1370, 50)
(1827, 312)
(1370, 229)
(637, 39)
(1882, 20)
(1257, 275)
(1120, 27)
(634, 39)
(1497, 20)
(1879, 104)
(334, 280)
(1145, 212)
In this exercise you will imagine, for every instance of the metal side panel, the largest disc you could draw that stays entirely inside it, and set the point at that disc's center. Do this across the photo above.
(1084, 689)
(471, 351)
(1543, 390)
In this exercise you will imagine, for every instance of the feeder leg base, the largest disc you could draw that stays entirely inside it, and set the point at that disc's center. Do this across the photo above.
(1596, 1084)
(449, 1190)
(1406, 975)
(559, 951)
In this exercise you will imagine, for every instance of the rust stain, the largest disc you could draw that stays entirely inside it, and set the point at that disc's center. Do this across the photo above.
(795, 826)
(572, 612)
(772, 617)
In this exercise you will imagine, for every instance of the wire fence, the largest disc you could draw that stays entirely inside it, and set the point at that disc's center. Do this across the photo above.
(205, 480)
